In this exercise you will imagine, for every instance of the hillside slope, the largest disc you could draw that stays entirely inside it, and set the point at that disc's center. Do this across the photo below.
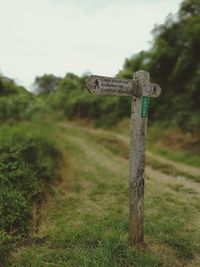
(85, 222)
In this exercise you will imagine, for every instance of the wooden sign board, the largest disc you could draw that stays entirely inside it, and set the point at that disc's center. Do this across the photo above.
(100, 85)
(154, 90)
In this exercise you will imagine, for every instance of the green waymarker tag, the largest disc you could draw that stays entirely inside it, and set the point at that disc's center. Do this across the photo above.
(145, 106)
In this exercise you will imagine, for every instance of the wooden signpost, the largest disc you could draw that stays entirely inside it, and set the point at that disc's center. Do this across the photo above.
(140, 89)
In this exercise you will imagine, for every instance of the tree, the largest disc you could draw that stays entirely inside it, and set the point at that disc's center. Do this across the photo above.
(174, 63)
(46, 83)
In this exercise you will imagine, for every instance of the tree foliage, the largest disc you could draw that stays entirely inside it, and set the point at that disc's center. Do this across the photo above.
(174, 63)
(46, 83)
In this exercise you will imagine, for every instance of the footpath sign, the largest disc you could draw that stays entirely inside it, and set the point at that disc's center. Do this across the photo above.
(140, 89)
(100, 85)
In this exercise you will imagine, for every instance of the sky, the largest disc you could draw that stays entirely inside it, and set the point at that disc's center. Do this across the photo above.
(79, 36)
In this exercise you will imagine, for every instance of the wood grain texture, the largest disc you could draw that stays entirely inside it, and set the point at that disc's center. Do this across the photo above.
(108, 86)
(137, 162)
(154, 90)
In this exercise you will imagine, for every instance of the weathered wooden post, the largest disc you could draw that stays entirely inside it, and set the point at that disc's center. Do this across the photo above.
(137, 159)
(140, 89)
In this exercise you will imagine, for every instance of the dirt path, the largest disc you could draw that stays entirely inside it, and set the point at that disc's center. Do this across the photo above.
(179, 166)
(158, 175)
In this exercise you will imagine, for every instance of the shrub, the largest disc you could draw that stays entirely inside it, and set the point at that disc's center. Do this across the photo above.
(28, 159)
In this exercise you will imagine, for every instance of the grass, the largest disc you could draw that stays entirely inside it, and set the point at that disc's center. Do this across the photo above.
(180, 155)
(86, 223)
(121, 148)
(168, 142)
(170, 170)
(174, 144)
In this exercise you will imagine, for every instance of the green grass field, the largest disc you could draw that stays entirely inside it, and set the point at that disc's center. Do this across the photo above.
(84, 222)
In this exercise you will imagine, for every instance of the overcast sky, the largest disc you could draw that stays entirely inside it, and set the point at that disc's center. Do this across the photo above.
(60, 36)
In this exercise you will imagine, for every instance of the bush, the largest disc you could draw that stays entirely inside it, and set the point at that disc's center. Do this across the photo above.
(6, 244)
(27, 163)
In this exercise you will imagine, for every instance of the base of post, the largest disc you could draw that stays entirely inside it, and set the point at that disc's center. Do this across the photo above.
(143, 246)
(136, 242)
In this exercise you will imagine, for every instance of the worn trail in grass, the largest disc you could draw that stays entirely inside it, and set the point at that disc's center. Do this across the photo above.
(156, 161)
(85, 222)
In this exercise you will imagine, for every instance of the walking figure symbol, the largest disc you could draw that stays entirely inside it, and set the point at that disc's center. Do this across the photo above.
(96, 84)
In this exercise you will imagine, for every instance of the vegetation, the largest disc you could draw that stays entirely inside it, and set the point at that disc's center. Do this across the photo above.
(86, 222)
(173, 62)
(46, 84)
(28, 159)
